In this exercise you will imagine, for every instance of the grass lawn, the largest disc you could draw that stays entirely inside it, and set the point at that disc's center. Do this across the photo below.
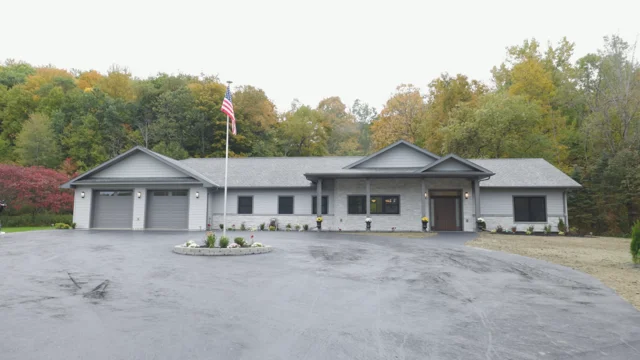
(25, 228)
(604, 258)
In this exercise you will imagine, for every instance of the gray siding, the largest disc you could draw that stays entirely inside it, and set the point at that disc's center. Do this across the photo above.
(451, 165)
(139, 165)
(82, 207)
(499, 202)
(401, 156)
(265, 201)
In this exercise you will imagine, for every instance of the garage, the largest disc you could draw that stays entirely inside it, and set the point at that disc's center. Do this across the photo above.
(112, 209)
(167, 209)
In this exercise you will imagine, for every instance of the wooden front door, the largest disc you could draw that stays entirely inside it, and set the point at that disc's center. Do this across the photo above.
(444, 209)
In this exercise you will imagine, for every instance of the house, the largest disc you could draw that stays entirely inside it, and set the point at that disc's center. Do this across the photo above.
(395, 187)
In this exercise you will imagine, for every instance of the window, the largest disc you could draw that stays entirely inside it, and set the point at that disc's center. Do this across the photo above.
(180, 193)
(245, 204)
(285, 205)
(325, 205)
(160, 193)
(530, 209)
(382, 204)
(357, 204)
(115, 193)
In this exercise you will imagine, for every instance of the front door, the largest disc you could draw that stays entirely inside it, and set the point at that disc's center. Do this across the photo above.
(444, 209)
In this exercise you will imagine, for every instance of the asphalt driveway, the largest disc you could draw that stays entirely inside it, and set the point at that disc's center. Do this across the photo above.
(317, 296)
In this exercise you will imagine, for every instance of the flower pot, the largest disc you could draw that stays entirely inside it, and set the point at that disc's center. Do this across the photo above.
(424, 225)
(319, 223)
(368, 225)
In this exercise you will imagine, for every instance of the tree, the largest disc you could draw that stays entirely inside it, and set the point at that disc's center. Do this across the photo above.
(36, 144)
(303, 133)
(343, 132)
(85, 143)
(35, 188)
(14, 73)
(171, 149)
(402, 118)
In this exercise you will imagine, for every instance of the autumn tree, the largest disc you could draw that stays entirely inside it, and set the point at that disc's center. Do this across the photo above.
(36, 144)
(402, 118)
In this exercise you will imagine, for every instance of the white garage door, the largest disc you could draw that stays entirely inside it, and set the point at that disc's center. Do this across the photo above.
(167, 209)
(112, 209)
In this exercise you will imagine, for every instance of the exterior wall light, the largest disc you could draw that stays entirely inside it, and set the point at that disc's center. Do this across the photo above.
(426, 195)
(82, 194)
(197, 194)
(139, 194)
(466, 195)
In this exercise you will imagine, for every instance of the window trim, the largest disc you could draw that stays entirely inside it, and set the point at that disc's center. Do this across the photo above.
(293, 204)
(383, 206)
(365, 204)
(546, 209)
(314, 208)
(238, 204)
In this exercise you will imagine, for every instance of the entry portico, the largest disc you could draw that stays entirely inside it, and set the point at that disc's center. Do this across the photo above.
(439, 188)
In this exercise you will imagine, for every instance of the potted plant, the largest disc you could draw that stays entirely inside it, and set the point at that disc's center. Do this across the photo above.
(425, 222)
(368, 222)
(319, 222)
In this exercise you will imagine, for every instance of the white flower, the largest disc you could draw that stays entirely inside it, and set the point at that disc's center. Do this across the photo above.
(256, 244)
(233, 246)
(480, 220)
(368, 219)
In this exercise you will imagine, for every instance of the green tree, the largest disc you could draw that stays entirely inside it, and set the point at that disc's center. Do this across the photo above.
(171, 149)
(85, 143)
(303, 132)
(36, 144)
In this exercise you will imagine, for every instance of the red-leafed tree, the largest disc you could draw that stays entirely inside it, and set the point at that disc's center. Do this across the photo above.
(34, 187)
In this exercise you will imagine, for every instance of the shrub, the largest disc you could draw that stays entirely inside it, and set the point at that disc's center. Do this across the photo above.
(514, 229)
(635, 243)
(62, 226)
(561, 225)
(73, 225)
(221, 226)
(243, 227)
(305, 227)
(561, 233)
(573, 230)
(35, 220)
(256, 245)
(240, 241)
(211, 240)
(262, 226)
(547, 229)
(530, 230)
(272, 228)
(499, 229)
(224, 242)
(297, 227)
(289, 226)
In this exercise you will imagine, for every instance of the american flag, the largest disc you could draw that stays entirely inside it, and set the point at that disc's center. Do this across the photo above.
(227, 108)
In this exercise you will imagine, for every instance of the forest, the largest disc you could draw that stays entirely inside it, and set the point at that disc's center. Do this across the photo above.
(582, 115)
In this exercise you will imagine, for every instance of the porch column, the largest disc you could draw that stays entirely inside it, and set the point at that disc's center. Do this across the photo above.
(422, 198)
(476, 198)
(319, 198)
(368, 199)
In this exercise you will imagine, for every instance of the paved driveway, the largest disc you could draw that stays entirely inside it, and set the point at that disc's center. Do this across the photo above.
(317, 296)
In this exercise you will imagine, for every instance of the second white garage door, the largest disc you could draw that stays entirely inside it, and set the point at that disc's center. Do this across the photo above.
(167, 209)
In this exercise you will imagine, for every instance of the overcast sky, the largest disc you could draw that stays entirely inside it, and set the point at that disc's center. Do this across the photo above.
(303, 49)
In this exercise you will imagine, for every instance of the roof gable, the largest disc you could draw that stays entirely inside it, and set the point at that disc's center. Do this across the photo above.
(140, 163)
(401, 154)
(454, 163)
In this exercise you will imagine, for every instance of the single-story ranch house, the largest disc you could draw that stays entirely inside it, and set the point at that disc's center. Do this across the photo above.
(395, 187)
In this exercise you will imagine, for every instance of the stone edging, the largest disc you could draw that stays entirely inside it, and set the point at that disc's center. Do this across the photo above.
(221, 252)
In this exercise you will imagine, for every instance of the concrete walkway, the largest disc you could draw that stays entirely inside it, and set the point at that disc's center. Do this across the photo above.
(317, 296)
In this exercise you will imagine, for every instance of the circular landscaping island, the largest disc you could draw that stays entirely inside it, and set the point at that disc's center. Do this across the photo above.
(221, 247)
(203, 251)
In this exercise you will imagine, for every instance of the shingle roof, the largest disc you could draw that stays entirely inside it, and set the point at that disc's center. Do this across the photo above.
(267, 172)
(524, 173)
(289, 171)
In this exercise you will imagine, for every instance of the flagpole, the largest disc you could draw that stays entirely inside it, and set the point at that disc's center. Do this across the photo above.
(226, 167)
